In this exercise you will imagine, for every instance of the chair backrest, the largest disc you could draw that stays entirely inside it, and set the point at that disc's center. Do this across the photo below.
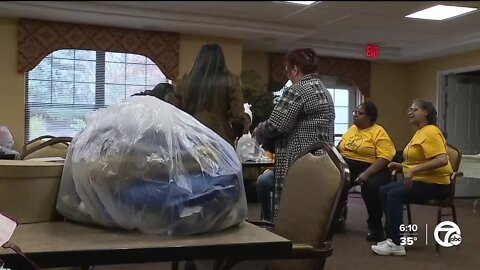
(314, 186)
(454, 156)
(46, 146)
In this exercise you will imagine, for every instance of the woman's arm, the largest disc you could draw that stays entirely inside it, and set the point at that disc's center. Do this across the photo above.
(177, 99)
(384, 151)
(338, 145)
(376, 166)
(395, 166)
(283, 117)
(237, 111)
(434, 163)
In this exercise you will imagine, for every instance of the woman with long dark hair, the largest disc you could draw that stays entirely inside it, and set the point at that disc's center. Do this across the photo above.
(212, 94)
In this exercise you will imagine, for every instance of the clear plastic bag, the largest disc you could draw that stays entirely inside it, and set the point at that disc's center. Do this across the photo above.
(6, 139)
(249, 150)
(6, 143)
(144, 164)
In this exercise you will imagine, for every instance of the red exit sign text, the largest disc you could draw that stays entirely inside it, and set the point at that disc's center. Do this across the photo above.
(372, 51)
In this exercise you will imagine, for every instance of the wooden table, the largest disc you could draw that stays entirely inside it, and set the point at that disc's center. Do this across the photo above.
(470, 167)
(258, 164)
(62, 244)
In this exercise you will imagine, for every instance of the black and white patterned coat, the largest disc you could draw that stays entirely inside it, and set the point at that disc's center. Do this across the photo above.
(304, 114)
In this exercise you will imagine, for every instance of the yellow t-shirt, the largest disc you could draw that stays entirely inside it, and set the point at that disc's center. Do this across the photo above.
(367, 144)
(425, 144)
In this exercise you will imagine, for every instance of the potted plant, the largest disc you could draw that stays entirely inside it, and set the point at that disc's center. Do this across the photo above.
(255, 93)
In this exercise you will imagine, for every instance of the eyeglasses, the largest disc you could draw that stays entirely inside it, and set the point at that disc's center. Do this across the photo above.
(357, 113)
(409, 110)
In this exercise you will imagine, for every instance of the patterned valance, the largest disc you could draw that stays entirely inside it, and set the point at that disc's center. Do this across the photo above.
(37, 39)
(356, 71)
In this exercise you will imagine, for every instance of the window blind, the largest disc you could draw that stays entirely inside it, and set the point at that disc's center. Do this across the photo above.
(67, 84)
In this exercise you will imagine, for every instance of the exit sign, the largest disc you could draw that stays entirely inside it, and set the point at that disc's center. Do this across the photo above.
(372, 51)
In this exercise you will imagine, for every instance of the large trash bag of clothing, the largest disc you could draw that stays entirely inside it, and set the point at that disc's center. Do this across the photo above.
(144, 164)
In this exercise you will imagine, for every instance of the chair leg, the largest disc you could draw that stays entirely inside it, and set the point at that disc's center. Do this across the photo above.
(190, 265)
(454, 214)
(175, 265)
(224, 264)
(409, 214)
(475, 205)
(439, 219)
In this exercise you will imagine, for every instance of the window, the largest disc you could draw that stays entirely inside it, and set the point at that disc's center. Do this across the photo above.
(343, 119)
(67, 84)
(345, 100)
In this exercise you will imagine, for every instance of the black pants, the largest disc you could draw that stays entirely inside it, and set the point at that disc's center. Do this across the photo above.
(371, 192)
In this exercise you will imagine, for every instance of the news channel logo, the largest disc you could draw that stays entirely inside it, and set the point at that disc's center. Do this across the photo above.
(452, 236)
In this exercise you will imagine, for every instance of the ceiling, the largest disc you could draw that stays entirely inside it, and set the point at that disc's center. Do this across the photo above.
(331, 28)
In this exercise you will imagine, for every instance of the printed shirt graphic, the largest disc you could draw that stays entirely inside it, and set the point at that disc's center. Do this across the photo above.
(425, 144)
(367, 144)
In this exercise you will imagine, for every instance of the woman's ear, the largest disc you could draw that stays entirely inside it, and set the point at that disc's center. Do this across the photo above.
(295, 69)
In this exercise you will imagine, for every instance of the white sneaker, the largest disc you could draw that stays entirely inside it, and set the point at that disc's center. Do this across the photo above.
(389, 248)
(382, 242)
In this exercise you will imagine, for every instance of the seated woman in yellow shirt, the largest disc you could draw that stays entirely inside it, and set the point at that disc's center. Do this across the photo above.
(426, 172)
(367, 149)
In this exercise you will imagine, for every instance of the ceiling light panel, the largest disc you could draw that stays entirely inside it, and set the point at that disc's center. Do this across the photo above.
(305, 3)
(440, 12)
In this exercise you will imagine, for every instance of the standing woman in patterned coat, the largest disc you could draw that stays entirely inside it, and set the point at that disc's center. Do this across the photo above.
(304, 115)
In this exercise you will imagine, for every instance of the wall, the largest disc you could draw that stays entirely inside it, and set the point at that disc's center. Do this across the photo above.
(423, 75)
(407, 82)
(12, 94)
(257, 61)
(390, 91)
(190, 45)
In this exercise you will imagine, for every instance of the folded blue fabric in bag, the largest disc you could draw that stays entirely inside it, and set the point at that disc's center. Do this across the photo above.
(212, 197)
(168, 194)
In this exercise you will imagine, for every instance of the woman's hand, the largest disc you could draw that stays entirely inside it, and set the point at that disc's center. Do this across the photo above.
(362, 178)
(407, 179)
(255, 133)
(257, 136)
(394, 166)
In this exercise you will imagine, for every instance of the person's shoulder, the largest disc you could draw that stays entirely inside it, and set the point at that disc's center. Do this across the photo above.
(430, 129)
(352, 128)
(379, 128)
(351, 131)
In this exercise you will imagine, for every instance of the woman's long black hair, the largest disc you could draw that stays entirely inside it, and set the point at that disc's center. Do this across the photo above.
(209, 80)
